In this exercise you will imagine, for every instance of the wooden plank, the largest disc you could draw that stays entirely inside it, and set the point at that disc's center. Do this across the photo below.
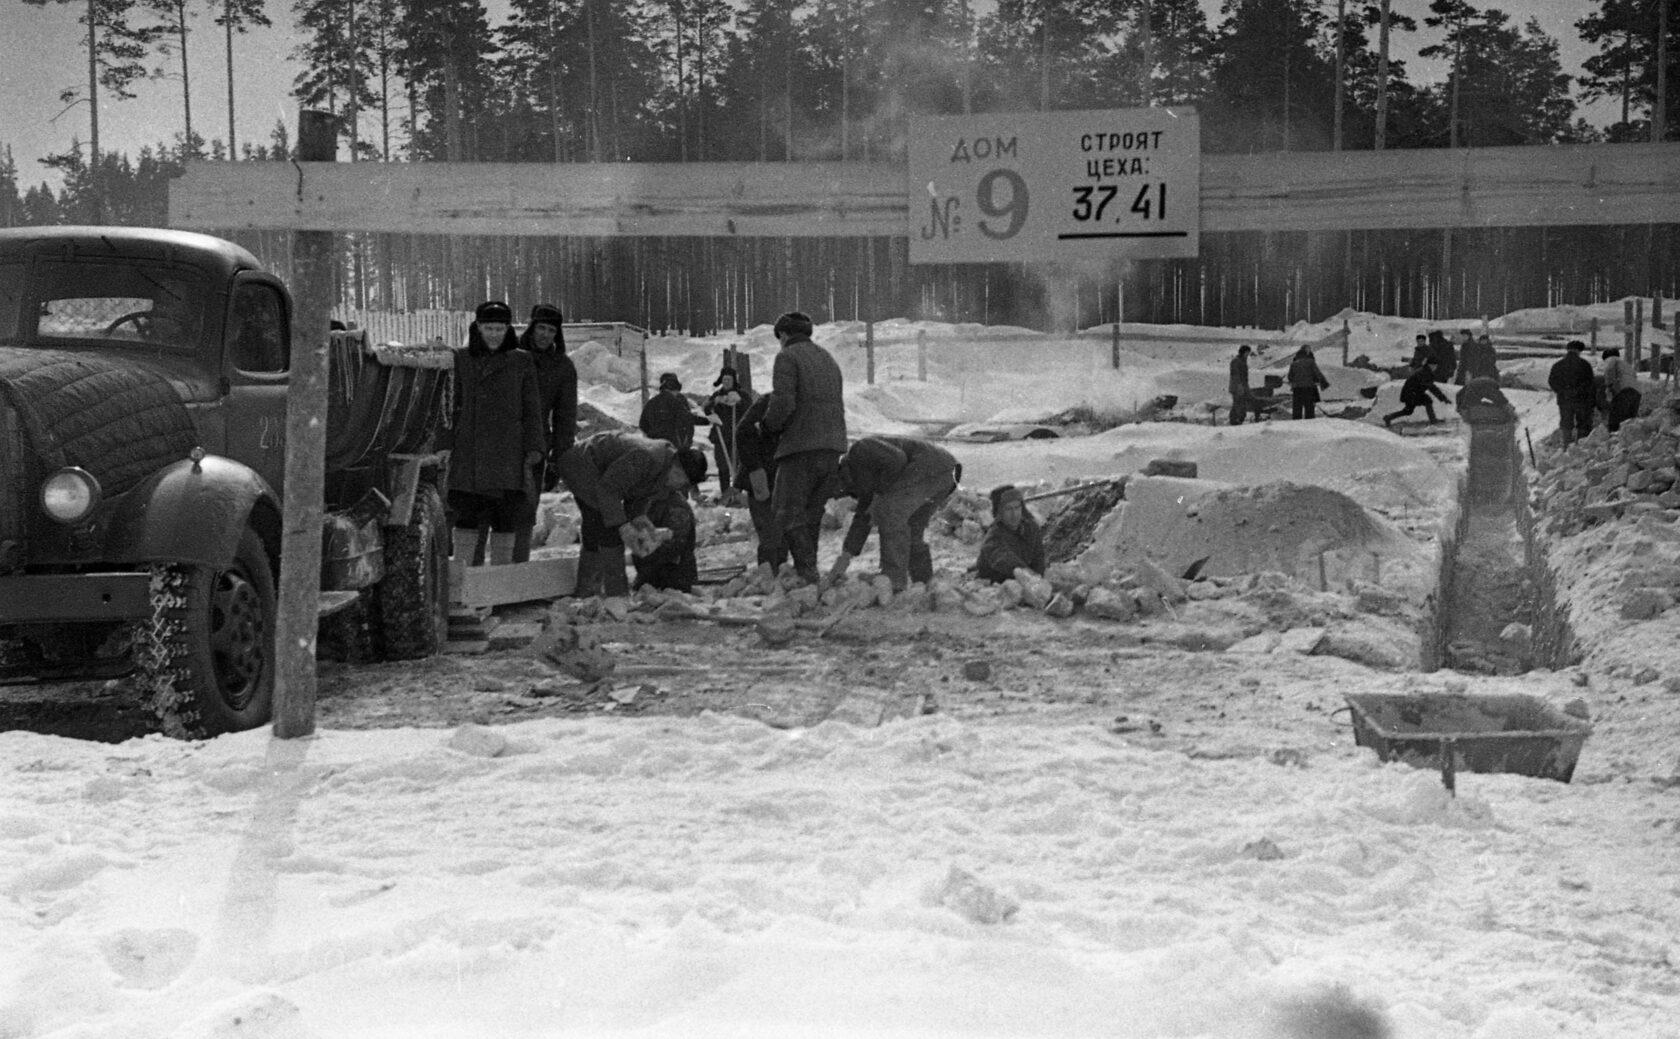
(600, 199)
(1429, 188)
(1287, 191)
(514, 582)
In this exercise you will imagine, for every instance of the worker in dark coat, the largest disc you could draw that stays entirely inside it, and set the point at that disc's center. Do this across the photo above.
(755, 477)
(1477, 360)
(724, 409)
(615, 478)
(1241, 394)
(1305, 382)
(667, 416)
(494, 437)
(1422, 353)
(1014, 539)
(899, 483)
(808, 413)
(557, 396)
(1415, 393)
(1446, 358)
(1571, 378)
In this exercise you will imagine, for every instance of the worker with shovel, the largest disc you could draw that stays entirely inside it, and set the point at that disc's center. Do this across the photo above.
(724, 409)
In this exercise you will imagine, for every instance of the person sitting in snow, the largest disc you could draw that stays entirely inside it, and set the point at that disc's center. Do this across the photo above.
(899, 483)
(1014, 539)
(1415, 393)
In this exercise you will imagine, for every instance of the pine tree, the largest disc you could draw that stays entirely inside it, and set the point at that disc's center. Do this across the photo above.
(1625, 68)
(237, 16)
(1273, 87)
(1506, 86)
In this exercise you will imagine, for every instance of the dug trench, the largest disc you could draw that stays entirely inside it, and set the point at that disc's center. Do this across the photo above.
(1498, 612)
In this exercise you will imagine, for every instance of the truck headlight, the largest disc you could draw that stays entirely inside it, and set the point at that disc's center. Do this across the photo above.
(70, 494)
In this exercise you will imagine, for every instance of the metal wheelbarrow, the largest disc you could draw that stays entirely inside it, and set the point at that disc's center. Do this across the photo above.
(1455, 731)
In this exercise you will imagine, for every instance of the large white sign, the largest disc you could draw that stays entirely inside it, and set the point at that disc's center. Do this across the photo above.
(1121, 183)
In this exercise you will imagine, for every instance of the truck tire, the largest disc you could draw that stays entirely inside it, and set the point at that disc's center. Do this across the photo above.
(206, 658)
(410, 615)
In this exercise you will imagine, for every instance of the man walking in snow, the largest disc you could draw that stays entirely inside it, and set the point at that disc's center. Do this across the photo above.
(807, 413)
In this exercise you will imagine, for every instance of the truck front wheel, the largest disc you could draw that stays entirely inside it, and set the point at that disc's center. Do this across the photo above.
(206, 658)
(410, 616)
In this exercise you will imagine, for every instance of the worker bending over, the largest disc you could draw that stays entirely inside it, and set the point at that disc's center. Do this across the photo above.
(899, 482)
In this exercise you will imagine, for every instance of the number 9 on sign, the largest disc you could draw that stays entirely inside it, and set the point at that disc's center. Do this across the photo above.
(1011, 205)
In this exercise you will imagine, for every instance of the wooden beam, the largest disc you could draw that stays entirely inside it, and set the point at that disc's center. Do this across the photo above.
(1294, 191)
(299, 604)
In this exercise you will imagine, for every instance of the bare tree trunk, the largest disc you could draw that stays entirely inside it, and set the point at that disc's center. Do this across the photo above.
(1382, 78)
(968, 60)
(353, 62)
(1146, 30)
(1044, 58)
(227, 24)
(186, 78)
(1341, 73)
(1659, 110)
(1457, 81)
(93, 112)
(682, 94)
(594, 84)
(554, 94)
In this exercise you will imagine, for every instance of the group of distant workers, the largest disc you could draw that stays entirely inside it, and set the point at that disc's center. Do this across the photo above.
(1473, 364)
(513, 431)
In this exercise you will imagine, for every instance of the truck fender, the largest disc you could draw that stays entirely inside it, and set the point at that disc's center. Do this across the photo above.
(194, 512)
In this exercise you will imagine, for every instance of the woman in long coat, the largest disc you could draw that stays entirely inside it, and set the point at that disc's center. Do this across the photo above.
(495, 435)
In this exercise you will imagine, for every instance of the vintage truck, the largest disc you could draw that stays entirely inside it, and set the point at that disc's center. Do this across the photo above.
(143, 383)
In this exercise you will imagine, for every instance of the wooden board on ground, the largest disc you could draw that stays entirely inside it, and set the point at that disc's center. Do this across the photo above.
(513, 582)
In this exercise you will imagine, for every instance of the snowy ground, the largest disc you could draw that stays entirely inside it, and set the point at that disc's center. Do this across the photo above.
(1096, 834)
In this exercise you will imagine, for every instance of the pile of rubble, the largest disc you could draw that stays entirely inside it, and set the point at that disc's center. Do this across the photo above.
(1632, 473)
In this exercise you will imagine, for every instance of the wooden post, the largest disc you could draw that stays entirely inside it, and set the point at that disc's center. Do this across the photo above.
(921, 355)
(1628, 327)
(306, 446)
(1639, 334)
(1114, 347)
(1347, 335)
(869, 351)
(1592, 331)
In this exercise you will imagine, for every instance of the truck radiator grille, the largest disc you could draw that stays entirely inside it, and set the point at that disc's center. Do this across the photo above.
(12, 488)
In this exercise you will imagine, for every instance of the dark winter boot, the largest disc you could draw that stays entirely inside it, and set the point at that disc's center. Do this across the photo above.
(613, 579)
(801, 543)
(588, 581)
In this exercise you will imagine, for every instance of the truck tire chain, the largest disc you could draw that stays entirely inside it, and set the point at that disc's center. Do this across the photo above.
(157, 645)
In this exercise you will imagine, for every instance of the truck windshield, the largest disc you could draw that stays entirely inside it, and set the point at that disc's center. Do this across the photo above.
(52, 302)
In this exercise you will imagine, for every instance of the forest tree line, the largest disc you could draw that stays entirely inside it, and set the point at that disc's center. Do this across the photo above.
(827, 80)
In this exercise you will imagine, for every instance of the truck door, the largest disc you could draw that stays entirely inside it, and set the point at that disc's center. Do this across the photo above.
(255, 362)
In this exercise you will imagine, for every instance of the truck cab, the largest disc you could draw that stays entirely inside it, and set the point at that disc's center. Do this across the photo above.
(143, 383)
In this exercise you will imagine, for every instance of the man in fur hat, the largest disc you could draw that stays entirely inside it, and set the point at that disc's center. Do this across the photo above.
(1014, 539)
(667, 416)
(557, 391)
(807, 414)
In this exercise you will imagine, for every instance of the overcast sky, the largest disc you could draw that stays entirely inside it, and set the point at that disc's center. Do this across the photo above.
(41, 54)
